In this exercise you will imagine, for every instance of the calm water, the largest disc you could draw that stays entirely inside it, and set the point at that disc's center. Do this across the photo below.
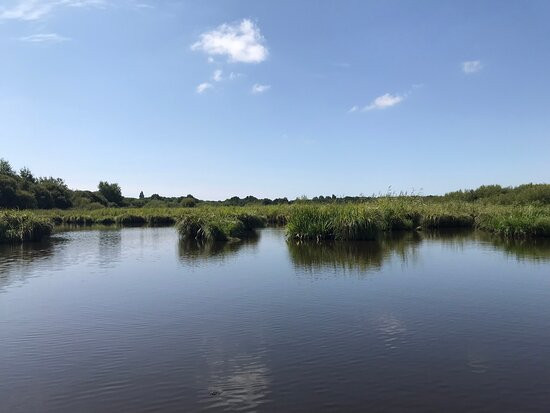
(133, 320)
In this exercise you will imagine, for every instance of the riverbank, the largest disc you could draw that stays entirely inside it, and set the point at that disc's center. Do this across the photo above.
(304, 221)
(367, 221)
(18, 227)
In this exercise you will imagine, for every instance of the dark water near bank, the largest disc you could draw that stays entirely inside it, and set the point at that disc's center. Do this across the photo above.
(132, 320)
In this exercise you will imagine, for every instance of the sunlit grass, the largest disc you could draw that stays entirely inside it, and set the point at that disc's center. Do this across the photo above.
(320, 221)
(16, 227)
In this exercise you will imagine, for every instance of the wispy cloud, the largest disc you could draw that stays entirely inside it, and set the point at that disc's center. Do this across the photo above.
(241, 42)
(44, 38)
(144, 6)
(385, 101)
(472, 66)
(217, 76)
(258, 88)
(203, 87)
(29, 10)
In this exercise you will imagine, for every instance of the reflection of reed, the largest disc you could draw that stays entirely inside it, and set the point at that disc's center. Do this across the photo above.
(193, 251)
(536, 249)
(352, 255)
(532, 249)
(109, 247)
(17, 260)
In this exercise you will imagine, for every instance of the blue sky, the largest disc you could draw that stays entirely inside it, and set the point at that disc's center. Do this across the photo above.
(278, 98)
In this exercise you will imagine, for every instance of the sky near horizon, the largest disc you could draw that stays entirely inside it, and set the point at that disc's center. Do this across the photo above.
(282, 98)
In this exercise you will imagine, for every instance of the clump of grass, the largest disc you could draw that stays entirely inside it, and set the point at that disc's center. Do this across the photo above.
(367, 221)
(130, 220)
(78, 220)
(447, 220)
(160, 220)
(344, 222)
(520, 222)
(197, 228)
(105, 221)
(23, 227)
(219, 226)
(252, 222)
(310, 222)
(355, 223)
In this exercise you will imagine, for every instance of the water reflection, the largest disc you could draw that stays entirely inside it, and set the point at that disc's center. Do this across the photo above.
(371, 255)
(16, 259)
(358, 255)
(194, 252)
(109, 247)
(122, 325)
(530, 249)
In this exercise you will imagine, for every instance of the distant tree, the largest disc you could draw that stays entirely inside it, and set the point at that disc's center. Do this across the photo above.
(43, 197)
(28, 181)
(141, 196)
(5, 168)
(59, 192)
(27, 175)
(8, 191)
(188, 202)
(25, 199)
(111, 192)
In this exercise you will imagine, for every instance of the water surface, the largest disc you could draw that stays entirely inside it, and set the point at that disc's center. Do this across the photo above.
(134, 320)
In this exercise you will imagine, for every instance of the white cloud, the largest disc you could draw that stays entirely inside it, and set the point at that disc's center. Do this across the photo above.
(257, 88)
(354, 108)
(471, 66)
(217, 76)
(385, 101)
(38, 9)
(241, 42)
(204, 87)
(44, 38)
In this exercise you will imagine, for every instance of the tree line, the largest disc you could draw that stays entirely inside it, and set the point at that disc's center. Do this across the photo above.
(22, 190)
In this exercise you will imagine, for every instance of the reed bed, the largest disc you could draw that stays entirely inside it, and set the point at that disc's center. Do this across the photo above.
(17, 227)
(316, 221)
(219, 226)
(369, 220)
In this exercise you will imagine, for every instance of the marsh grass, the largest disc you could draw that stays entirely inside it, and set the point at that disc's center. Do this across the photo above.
(219, 225)
(368, 220)
(518, 222)
(321, 221)
(17, 227)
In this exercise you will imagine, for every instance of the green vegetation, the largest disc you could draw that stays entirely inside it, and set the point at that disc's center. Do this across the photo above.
(310, 221)
(529, 194)
(220, 225)
(17, 227)
(368, 220)
(519, 212)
